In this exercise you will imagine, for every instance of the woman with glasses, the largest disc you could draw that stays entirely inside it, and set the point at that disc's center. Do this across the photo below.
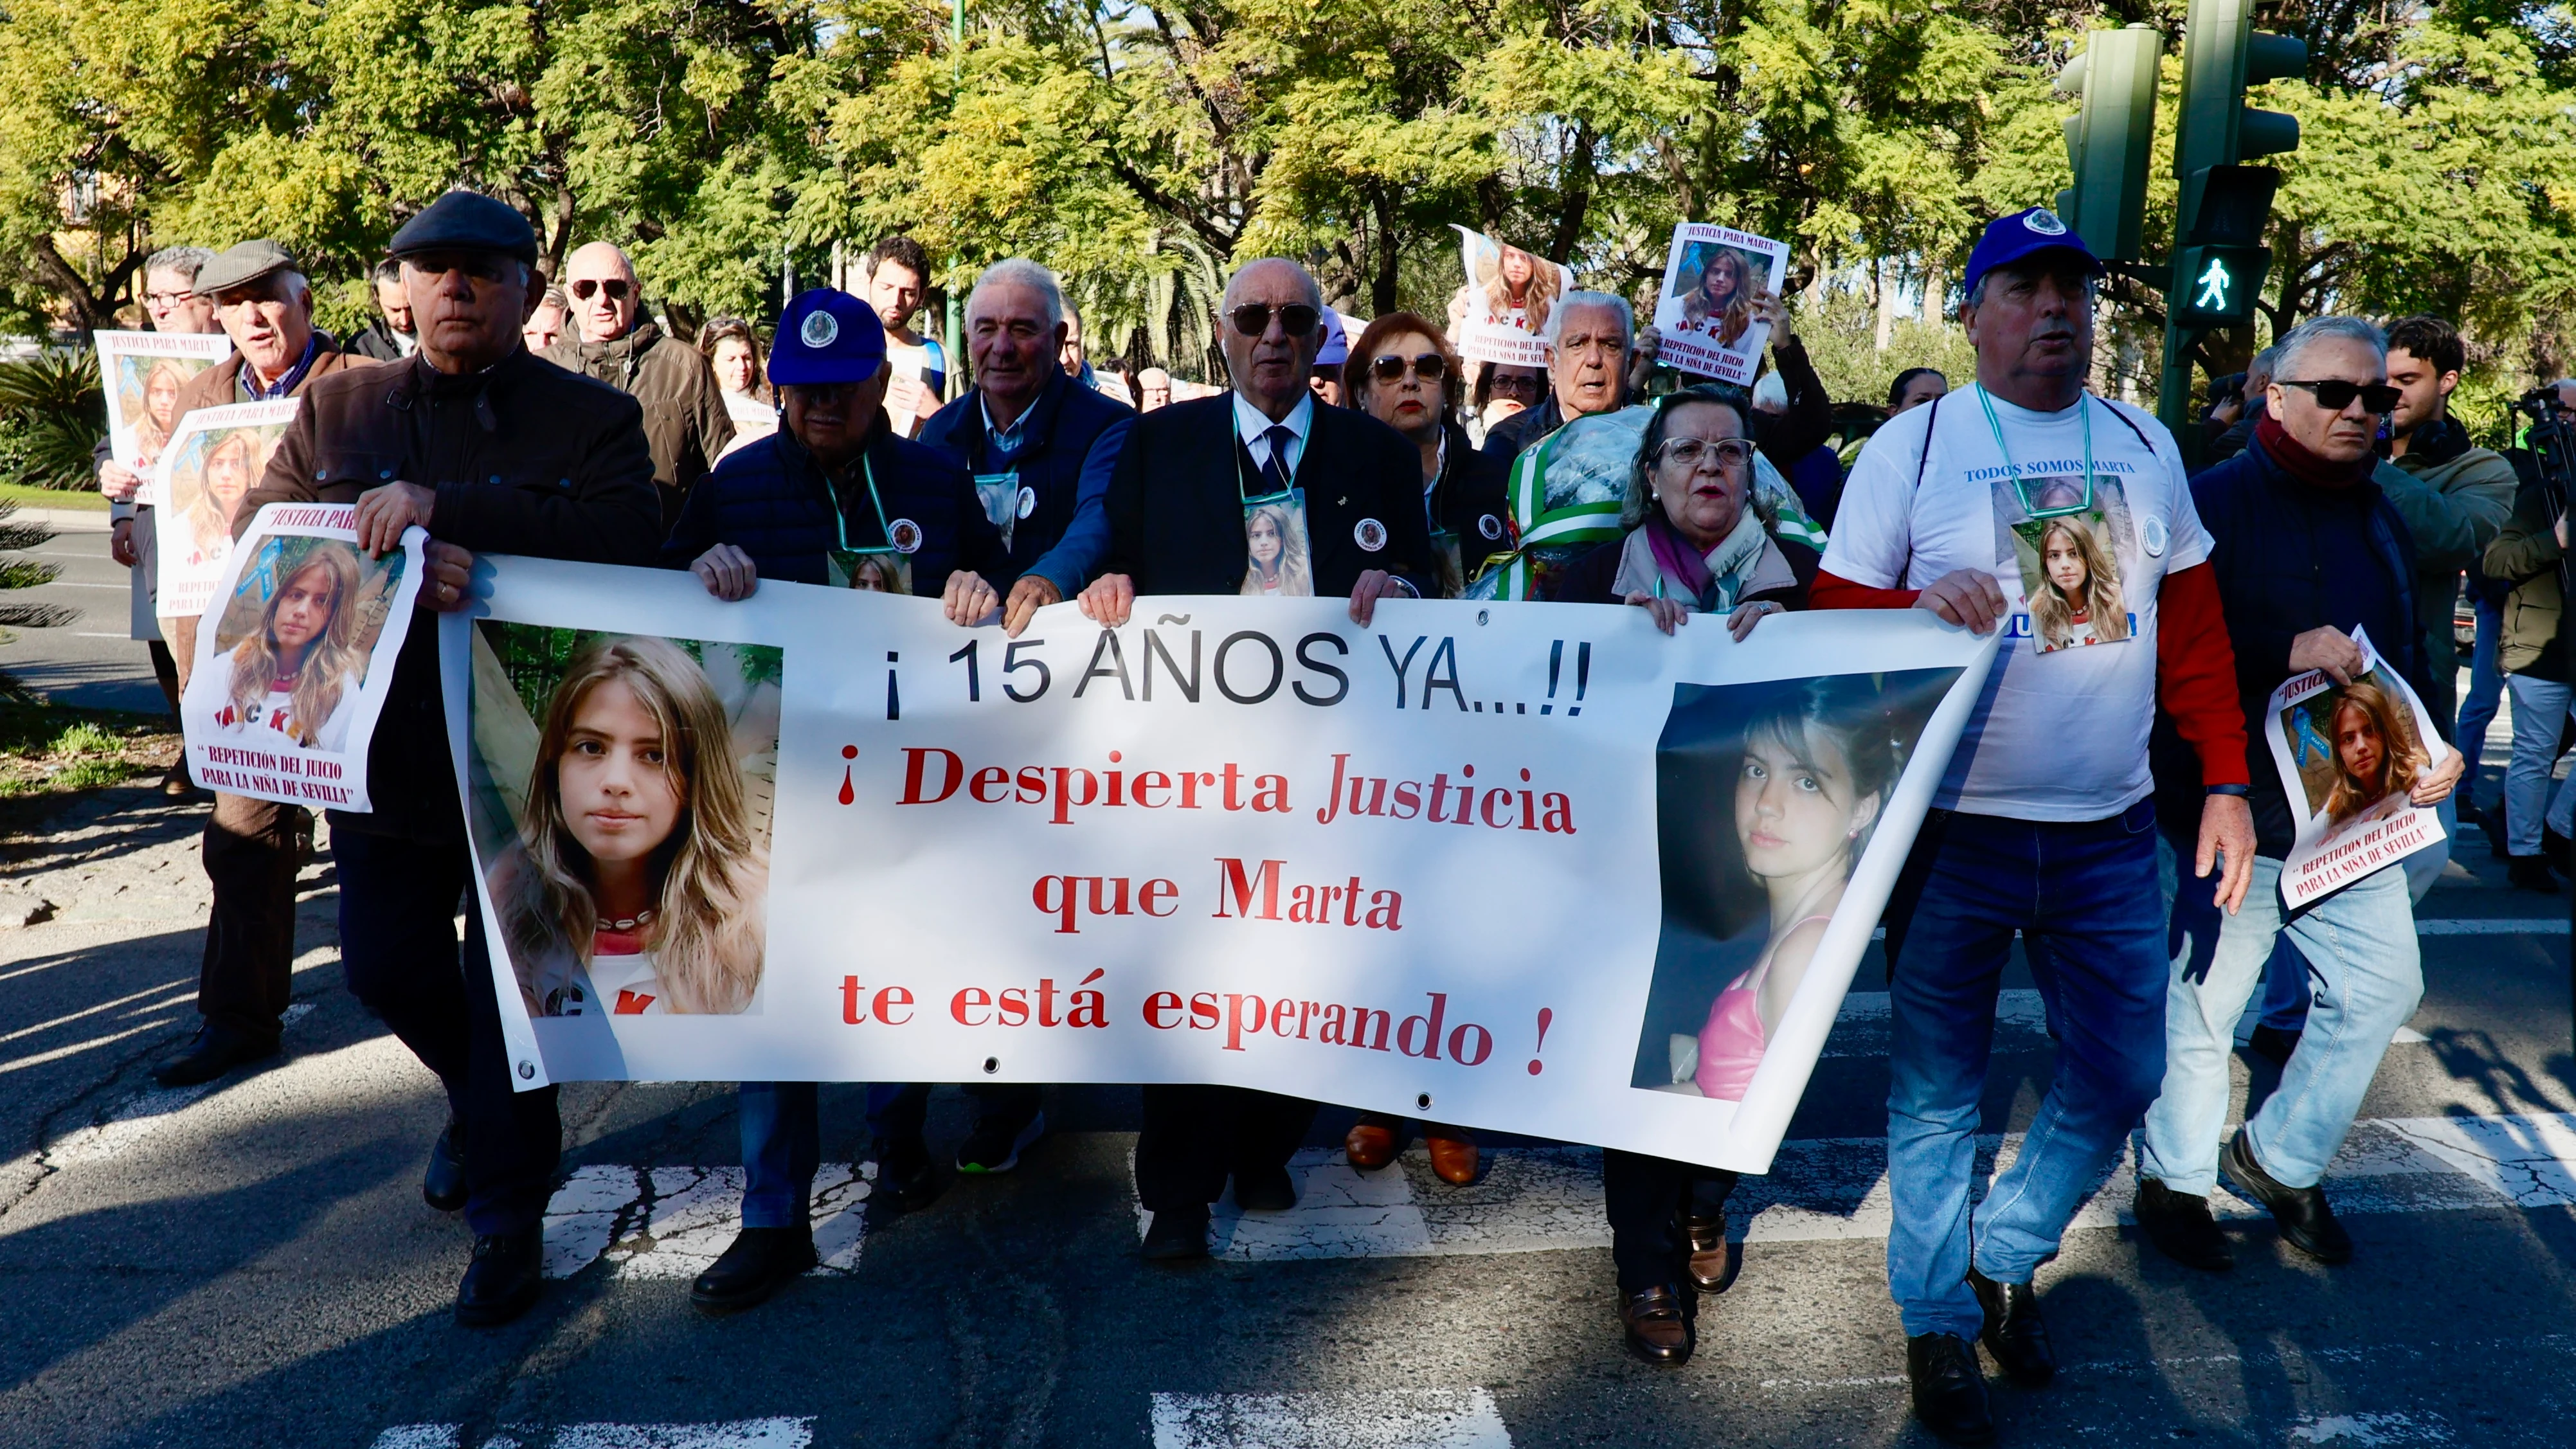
(1697, 540)
(1402, 373)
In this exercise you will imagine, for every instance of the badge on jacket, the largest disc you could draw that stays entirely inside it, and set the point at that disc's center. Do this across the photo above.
(1028, 500)
(1370, 535)
(903, 533)
(1490, 526)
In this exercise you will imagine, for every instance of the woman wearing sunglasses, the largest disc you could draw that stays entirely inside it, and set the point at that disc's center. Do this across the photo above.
(1697, 542)
(1402, 373)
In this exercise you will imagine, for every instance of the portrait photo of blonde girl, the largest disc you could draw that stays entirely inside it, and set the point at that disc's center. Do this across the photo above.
(293, 648)
(627, 817)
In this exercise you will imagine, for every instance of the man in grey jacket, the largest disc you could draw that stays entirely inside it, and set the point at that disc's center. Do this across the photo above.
(685, 421)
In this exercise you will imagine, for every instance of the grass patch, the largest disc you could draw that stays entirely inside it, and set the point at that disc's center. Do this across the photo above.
(49, 750)
(86, 499)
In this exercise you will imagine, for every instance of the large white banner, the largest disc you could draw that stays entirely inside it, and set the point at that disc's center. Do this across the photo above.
(295, 655)
(1532, 867)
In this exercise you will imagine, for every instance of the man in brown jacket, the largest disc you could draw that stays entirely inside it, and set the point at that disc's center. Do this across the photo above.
(489, 449)
(612, 340)
(252, 846)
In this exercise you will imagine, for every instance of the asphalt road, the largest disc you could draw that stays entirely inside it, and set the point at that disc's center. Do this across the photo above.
(252, 1266)
(90, 661)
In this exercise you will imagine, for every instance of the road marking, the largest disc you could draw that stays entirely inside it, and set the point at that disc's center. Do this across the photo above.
(674, 1222)
(2370, 1431)
(1391, 1419)
(2541, 926)
(1540, 1199)
(739, 1434)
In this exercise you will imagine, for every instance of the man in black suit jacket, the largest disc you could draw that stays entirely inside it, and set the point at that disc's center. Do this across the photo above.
(1176, 526)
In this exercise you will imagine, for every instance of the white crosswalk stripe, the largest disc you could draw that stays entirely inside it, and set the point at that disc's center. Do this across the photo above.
(1393, 1419)
(673, 1222)
(738, 1434)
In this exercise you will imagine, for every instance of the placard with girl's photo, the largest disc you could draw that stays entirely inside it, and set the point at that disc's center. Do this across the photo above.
(204, 473)
(295, 656)
(2350, 755)
(1706, 310)
(142, 374)
(1506, 311)
(2066, 534)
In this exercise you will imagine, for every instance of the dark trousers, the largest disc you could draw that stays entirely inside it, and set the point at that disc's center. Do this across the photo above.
(1647, 1199)
(248, 972)
(897, 1110)
(1193, 1138)
(398, 942)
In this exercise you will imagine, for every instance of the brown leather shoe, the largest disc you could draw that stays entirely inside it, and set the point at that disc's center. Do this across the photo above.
(1707, 1237)
(1370, 1144)
(1657, 1330)
(1453, 1153)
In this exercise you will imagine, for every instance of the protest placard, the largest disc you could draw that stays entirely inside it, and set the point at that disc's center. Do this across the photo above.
(142, 373)
(1506, 312)
(204, 473)
(1704, 311)
(1516, 866)
(294, 658)
(2348, 755)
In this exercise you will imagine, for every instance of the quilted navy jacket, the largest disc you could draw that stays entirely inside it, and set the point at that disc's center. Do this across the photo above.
(771, 501)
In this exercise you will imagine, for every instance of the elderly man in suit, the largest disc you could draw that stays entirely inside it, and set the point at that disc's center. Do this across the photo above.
(1178, 525)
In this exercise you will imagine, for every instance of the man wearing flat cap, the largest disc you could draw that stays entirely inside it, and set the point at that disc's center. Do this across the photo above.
(252, 846)
(489, 449)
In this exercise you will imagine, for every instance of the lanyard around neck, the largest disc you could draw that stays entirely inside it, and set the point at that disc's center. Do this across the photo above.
(1243, 450)
(2084, 414)
(841, 520)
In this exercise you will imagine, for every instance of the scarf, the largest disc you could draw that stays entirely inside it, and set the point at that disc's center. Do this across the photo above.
(2295, 459)
(1743, 563)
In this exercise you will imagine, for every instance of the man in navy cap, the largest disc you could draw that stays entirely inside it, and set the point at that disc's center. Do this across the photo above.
(2025, 503)
(836, 497)
(489, 449)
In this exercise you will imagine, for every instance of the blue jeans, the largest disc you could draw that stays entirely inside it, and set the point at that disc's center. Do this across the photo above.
(2486, 687)
(2086, 898)
(2285, 976)
(782, 1142)
(2360, 942)
(2540, 706)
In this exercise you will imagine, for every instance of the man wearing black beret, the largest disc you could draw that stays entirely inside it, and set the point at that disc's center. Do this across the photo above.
(491, 450)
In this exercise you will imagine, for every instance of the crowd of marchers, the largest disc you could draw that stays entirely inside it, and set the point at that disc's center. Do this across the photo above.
(500, 413)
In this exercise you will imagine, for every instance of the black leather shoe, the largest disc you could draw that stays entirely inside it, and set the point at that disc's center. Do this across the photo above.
(2531, 873)
(1177, 1235)
(906, 1178)
(1265, 1190)
(760, 1262)
(214, 1051)
(443, 1185)
(2274, 1044)
(503, 1280)
(1706, 1239)
(1657, 1329)
(1949, 1389)
(2307, 1224)
(2180, 1226)
(2014, 1333)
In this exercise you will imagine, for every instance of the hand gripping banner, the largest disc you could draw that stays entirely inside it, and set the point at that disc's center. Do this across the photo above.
(1531, 867)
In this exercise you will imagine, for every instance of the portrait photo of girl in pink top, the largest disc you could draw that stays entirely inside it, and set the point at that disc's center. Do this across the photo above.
(1763, 861)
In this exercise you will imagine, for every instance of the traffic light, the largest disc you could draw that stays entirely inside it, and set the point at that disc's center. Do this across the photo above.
(2223, 54)
(2220, 266)
(2110, 140)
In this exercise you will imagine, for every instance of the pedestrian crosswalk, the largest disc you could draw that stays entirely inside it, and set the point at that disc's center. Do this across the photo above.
(738, 1434)
(673, 1222)
(1415, 1419)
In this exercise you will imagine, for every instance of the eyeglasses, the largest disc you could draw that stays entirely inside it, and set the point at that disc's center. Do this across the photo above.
(1733, 454)
(167, 300)
(1429, 366)
(2334, 394)
(1252, 319)
(1514, 385)
(617, 288)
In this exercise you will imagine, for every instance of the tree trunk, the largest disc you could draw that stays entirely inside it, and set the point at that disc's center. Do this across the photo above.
(66, 282)
(1578, 196)
(1885, 286)
(1382, 286)
(1936, 291)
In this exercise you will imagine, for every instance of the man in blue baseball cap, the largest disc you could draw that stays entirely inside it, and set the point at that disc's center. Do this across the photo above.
(2026, 503)
(836, 497)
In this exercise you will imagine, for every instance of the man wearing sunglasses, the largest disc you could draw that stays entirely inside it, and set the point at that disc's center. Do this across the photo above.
(1177, 525)
(2308, 551)
(612, 340)
(2044, 824)
(489, 450)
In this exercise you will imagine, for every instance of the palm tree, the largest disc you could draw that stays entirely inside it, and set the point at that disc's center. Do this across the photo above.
(18, 573)
(1161, 313)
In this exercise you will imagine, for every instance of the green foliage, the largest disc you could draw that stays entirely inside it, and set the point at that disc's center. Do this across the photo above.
(52, 414)
(1841, 341)
(19, 573)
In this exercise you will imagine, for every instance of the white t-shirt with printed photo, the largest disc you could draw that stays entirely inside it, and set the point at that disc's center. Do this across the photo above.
(2061, 735)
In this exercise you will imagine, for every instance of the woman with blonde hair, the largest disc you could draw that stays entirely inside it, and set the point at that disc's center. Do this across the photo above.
(2079, 602)
(1275, 536)
(643, 869)
(2374, 758)
(298, 673)
(1524, 284)
(1725, 293)
(159, 416)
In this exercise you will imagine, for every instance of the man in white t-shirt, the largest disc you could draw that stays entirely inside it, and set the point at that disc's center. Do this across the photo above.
(896, 277)
(2026, 503)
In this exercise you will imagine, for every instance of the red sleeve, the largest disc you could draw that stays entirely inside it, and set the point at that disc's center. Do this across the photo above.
(2196, 674)
(1829, 592)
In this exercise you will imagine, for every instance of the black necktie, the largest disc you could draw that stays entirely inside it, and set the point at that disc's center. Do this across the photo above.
(1274, 473)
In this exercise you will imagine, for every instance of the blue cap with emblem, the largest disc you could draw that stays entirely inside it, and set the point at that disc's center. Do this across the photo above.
(2008, 239)
(826, 337)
